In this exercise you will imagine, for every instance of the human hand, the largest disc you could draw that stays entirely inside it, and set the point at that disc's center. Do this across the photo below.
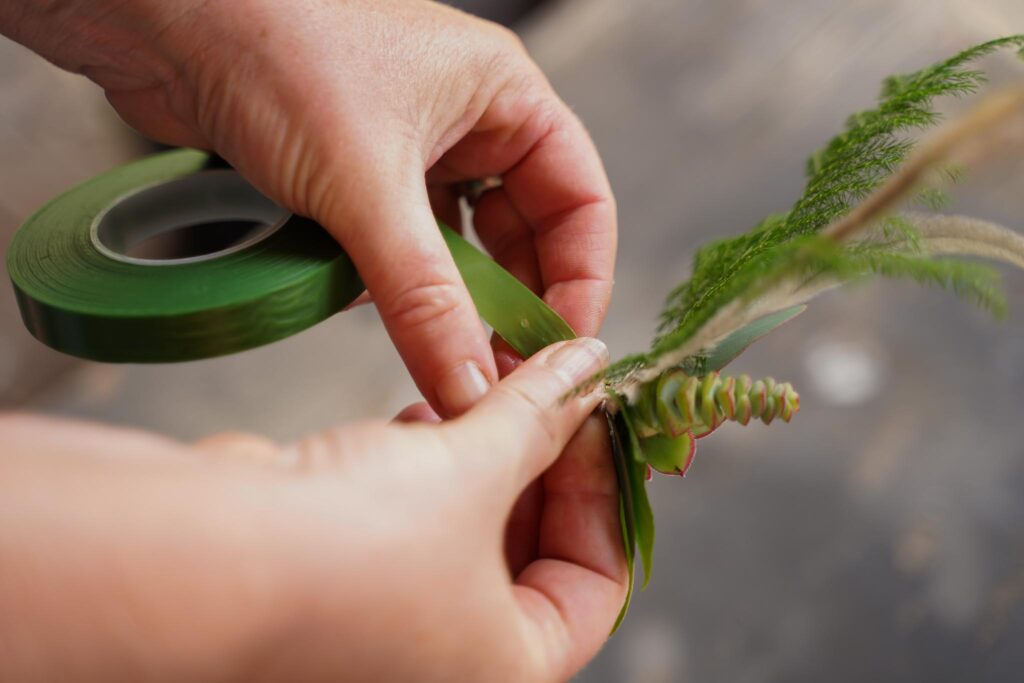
(369, 552)
(362, 115)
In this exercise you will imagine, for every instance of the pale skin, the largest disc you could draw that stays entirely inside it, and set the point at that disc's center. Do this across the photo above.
(482, 547)
(372, 552)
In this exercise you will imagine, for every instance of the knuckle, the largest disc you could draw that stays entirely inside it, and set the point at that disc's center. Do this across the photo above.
(503, 56)
(424, 304)
(310, 454)
(316, 452)
(508, 39)
(490, 36)
(336, 446)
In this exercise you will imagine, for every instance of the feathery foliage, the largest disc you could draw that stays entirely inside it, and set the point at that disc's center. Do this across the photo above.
(852, 165)
(743, 287)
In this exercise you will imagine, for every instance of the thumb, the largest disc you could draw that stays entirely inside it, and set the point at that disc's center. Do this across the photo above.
(525, 422)
(423, 302)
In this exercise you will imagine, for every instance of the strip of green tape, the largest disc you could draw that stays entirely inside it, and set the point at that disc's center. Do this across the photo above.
(78, 300)
(518, 315)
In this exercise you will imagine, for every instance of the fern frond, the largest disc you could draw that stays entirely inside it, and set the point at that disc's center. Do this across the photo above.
(729, 274)
(840, 230)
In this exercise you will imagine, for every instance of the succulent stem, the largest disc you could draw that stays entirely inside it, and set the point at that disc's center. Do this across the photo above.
(676, 403)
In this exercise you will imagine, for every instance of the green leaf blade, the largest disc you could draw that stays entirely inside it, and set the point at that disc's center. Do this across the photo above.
(637, 479)
(518, 315)
(852, 165)
(736, 343)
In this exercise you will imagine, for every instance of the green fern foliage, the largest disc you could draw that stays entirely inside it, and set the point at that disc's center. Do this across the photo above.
(742, 288)
(853, 164)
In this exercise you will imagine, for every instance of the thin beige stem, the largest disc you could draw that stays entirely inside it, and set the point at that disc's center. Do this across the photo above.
(988, 127)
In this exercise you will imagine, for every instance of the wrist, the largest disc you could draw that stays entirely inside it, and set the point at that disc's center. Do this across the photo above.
(23, 21)
(120, 45)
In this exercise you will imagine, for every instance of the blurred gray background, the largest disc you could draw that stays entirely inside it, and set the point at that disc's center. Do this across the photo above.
(878, 537)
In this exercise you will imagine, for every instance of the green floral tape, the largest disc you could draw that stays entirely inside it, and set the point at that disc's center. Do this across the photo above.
(83, 290)
(518, 315)
(79, 298)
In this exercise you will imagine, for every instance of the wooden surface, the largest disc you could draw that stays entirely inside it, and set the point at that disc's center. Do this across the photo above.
(878, 537)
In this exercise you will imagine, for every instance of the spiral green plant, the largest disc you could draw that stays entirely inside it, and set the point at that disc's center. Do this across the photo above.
(676, 403)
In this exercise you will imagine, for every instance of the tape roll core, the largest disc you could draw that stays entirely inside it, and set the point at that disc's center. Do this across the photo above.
(208, 198)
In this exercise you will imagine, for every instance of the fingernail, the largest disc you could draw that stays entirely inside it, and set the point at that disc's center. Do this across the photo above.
(461, 388)
(579, 359)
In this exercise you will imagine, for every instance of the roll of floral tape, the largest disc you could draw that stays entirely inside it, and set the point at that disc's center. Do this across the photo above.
(176, 257)
(97, 277)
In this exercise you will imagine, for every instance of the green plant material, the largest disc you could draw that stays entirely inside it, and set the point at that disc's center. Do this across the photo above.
(818, 257)
(643, 517)
(965, 236)
(669, 454)
(847, 170)
(522, 319)
(635, 516)
(685, 405)
(736, 343)
(627, 513)
(518, 315)
(842, 229)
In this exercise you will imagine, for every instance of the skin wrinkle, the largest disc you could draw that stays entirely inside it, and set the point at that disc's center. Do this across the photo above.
(484, 98)
(422, 303)
(521, 535)
(502, 247)
(493, 129)
(546, 224)
(598, 567)
(538, 411)
(121, 68)
(33, 23)
(183, 16)
(473, 108)
(555, 616)
(582, 261)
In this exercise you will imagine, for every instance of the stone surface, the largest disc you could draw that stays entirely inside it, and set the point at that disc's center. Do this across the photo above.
(880, 538)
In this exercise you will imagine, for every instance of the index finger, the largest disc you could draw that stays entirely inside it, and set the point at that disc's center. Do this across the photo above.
(561, 191)
(554, 218)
